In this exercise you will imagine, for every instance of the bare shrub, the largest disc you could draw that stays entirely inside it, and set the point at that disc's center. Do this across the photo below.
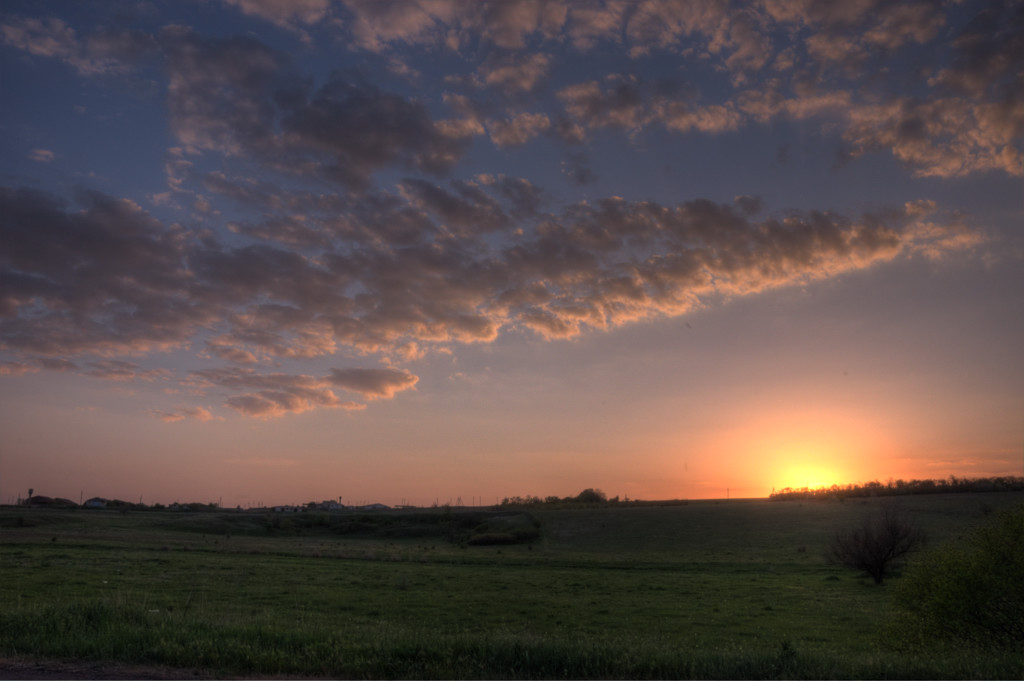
(878, 544)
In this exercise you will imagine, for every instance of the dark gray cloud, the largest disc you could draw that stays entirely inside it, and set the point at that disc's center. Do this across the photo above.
(274, 394)
(372, 383)
(469, 210)
(987, 51)
(239, 97)
(104, 277)
(121, 370)
(353, 129)
(107, 277)
(225, 94)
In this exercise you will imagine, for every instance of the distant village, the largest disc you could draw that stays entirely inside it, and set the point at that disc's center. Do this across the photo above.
(39, 500)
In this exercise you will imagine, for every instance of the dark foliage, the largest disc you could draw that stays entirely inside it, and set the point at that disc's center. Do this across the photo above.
(592, 496)
(970, 591)
(589, 496)
(878, 544)
(875, 488)
(473, 527)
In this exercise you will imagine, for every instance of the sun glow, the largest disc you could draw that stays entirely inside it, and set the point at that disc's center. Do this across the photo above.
(796, 446)
(811, 477)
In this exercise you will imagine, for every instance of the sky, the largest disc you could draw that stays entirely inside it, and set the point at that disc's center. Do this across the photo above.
(257, 252)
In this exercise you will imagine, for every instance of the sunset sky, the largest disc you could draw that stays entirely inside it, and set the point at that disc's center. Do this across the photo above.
(274, 251)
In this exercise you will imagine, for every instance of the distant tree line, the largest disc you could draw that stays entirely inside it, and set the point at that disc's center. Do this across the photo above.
(587, 496)
(39, 500)
(875, 488)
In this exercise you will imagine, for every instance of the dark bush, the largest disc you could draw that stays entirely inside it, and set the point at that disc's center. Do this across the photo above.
(492, 538)
(592, 496)
(355, 527)
(878, 544)
(970, 591)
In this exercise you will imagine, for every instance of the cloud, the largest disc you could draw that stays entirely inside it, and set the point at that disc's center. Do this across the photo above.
(515, 75)
(220, 91)
(750, 205)
(272, 395)
(182, 413)
(17, 368)
(376, 24)
(285, 13)
(120, 370)
(628, 103)
(267, 404)
(105, 52)
(350, 130)
(986, 51)
(469, 210)
(620, 104)
(49, 37)
(946, 137)
(577, 168)
(373, 383)
(238, 96)
(518, 130)
(331, 216)
(275, 394)
(112, 279)
(107, 278)
(592, 23)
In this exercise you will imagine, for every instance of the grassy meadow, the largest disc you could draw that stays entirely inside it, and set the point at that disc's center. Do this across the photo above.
(727, 589)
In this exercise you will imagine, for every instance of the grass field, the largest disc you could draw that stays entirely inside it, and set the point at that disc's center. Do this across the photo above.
(730, 589)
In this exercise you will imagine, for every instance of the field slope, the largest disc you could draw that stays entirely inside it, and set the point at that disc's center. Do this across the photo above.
(735, 589)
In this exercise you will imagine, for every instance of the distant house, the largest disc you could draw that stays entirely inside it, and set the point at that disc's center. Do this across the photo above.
(374, 507)
(95, 502)
(287, 509)
(330, 506)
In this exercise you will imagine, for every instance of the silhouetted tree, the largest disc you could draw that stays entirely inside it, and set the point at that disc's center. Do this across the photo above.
(592, 496)
(877, 544)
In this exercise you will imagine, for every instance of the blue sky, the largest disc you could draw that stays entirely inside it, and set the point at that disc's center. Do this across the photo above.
(269, 251)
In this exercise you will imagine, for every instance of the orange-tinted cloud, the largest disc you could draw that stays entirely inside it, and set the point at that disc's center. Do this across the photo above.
(139, 286)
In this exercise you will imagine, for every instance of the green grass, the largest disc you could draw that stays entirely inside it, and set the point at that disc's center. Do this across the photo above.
(707, 590)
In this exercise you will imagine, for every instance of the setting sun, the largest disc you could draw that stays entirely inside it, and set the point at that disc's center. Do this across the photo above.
(811, 477)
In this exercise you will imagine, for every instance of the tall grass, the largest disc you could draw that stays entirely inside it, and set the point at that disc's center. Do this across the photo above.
(98, 631)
